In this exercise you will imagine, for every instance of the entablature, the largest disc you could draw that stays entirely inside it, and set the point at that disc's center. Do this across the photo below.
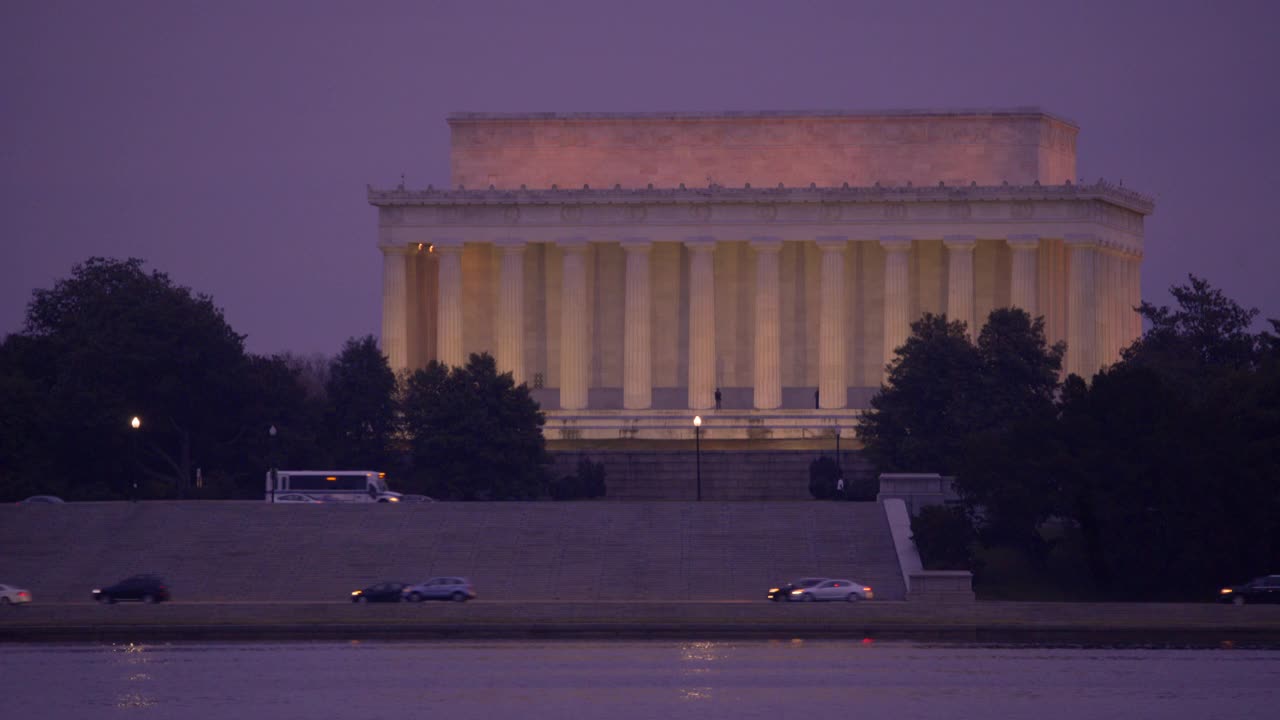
(1101, 191)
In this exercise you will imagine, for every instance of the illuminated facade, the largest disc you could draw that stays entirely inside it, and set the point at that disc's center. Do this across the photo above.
(630, 266)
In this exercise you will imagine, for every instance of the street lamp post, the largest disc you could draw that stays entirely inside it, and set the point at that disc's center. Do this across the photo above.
(136, 424)
(275, 478)
(837, 431)
(839, 466)
(697, 451)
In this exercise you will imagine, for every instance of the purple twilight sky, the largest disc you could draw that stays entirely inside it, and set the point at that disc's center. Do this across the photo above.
(229, 142)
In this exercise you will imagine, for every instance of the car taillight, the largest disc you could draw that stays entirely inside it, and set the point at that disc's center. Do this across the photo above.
(22, 594)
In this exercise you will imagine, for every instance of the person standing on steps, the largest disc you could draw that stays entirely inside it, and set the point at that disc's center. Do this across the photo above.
(815, 399)
(717, 398)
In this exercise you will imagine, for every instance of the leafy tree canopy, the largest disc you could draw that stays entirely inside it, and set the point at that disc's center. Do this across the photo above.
(920, 416)
(362, 410)
(473, 434)
(117, 341)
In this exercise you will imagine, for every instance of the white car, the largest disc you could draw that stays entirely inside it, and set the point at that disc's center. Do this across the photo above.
(10, 595)
(298, 498)
(457, 589)
(848, 590)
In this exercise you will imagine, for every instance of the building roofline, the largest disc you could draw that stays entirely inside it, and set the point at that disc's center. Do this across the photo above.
(1024, 111)
(1101, 190)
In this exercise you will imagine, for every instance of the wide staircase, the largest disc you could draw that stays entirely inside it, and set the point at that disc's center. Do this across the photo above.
(542, 551)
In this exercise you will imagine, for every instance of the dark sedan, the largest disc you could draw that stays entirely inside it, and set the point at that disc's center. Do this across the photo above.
(145, 588)
(382, 592)
(783, 592)
(1265, 589)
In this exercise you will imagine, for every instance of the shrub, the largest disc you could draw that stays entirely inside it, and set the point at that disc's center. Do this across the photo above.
(944, 536)
(586, 483)
(824, 474)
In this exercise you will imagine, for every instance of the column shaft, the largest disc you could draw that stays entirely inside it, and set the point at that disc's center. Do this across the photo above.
(449, 310)
(832, 387)
(510, 347)
(1023, 288)
(897, 325)
(573, 327)
(960, 280)
(768, 365)
(395, 311)
(637, 356)
(1082, 347)
(702, 324)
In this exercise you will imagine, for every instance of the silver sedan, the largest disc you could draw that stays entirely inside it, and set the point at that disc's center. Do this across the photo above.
(847, 590)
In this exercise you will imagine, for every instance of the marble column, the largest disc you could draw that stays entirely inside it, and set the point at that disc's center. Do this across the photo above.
(1023, 288)
(833, 389)
(1135, 296)
(509, 353)
(637, 353)
(897, 276)
(1082, 342)
(768, 331)
(395, 308)
(573, 325)
(1115, 308)
(449, 309)
(702, 323)
(960, 279)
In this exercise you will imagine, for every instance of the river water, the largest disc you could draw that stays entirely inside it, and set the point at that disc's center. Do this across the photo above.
(625, 680)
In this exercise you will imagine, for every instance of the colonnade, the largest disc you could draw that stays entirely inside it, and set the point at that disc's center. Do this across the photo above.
(1102, 287)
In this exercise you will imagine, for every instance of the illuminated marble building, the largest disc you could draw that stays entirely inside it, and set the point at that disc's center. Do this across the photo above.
(630, 266)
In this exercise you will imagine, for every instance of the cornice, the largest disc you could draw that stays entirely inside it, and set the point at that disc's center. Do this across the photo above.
(1026, 111)
(571, 200)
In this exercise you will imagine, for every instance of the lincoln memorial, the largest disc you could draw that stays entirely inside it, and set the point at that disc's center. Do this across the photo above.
(636, 269)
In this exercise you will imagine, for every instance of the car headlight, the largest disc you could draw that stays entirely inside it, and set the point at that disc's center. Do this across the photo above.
(357, 592)
(797, 592)
(773, 590)
(1225, 591)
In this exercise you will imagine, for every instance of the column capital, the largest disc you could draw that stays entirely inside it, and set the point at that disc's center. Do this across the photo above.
(511, 244)
(895, 243)
(572, 244)
(700, 243)
(832, 243)
(959, 242)
(1081, 239)
(766, 243)
(446, 245)
(636, 244)
(1023, 242)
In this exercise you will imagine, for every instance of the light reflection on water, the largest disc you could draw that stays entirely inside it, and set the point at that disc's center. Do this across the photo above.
(625, 680)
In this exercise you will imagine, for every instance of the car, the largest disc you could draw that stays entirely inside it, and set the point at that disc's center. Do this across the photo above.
(833, 590)
(1265, 589)
(10, 595)
(783, 591)
(146, 587)
(380, 592)
(42, 500)
(410, 498)
(298, 498)
(457, 589)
